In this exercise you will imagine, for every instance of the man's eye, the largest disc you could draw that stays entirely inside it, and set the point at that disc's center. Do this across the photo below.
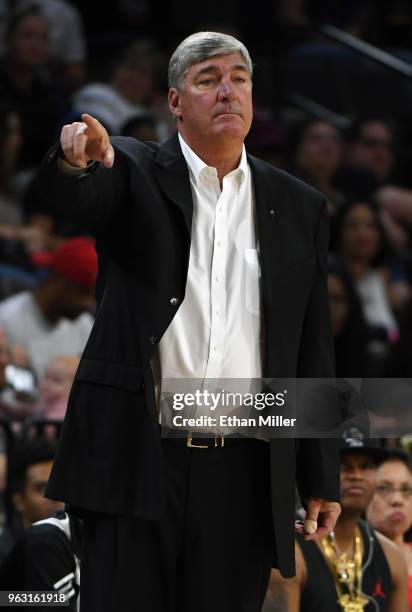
(240, 79)
(206, 81)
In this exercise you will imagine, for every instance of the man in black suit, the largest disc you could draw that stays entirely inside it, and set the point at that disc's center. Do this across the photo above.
(212, 264)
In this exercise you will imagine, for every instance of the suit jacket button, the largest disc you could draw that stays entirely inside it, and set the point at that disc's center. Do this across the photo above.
(174, 301)
(272, 213)
(153, 339)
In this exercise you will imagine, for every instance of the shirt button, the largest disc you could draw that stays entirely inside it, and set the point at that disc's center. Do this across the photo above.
(218, 313)
(174, 301)
(219, 243)
(217, 278)
(215, 348)
(220, 209)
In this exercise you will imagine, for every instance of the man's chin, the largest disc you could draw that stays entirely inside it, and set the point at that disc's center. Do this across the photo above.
(230, 131)
(72, 316)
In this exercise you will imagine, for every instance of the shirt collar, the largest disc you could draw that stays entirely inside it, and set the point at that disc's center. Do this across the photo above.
(197, 165)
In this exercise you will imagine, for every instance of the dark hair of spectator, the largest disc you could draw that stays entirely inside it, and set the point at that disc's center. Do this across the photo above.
(18, 15)
(25, 454)
(397, 454)
(141, 51)
(353, 133)
(297, 132)
(351, 357)
(338, 223)
(136, 122)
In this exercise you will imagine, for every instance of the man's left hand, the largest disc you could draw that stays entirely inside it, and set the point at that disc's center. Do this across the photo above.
(321, 515)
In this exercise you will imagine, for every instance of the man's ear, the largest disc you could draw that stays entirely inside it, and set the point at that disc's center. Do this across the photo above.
(174, 98)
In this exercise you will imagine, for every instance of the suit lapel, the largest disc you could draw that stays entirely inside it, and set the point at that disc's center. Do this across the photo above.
(173, 176)
(271, 199)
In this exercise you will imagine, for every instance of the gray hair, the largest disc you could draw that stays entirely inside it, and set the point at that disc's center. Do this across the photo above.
(200, 46)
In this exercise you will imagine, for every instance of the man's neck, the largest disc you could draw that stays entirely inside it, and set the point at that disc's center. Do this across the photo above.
(345, 529)
(225, 157)
(43, 301)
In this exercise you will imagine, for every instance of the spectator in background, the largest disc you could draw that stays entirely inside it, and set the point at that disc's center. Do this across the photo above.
(24, 85)
(17, 239)
(17, 388)
(53, 319)
(10, 142)
(46, 558)
(67, 42)
(316, 153)
(55, 385)
(267, 138)
(354, 564)
(28, 473)
(390, 510)
(359, 240)
(131, 91)
(371, 147)
(350, 329)
(142, 127)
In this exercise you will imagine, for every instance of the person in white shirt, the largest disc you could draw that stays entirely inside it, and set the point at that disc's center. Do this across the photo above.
(54, 319)
(212, 266)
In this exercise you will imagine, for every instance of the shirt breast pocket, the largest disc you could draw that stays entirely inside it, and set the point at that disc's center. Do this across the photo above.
(252, 281)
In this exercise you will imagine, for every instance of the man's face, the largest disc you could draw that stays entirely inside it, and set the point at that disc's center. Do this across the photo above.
(374, 150)
(32, 504)
(215, 105)
(390, 510)
(74, 299)
(320, 149)
(29, 43)
(357, 481)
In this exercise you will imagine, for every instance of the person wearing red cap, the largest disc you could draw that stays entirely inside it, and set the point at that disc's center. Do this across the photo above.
(55, 318)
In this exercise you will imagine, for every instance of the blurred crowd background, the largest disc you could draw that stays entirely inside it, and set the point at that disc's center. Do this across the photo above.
(333, 106)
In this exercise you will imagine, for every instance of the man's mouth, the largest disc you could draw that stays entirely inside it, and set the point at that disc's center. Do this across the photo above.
(227, 113)
(355, 490)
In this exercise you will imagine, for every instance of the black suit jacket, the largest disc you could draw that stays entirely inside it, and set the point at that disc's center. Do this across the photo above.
(109, 455)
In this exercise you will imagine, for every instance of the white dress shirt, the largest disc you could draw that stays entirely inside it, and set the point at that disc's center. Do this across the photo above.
(216, 333)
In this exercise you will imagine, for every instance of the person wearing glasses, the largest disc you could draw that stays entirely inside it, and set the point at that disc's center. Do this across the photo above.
(390, 510)
(354, 568)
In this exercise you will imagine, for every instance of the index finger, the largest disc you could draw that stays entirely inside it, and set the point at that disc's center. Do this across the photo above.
(92, 123)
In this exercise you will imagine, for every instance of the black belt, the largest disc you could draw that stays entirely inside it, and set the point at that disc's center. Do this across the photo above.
(203, 440)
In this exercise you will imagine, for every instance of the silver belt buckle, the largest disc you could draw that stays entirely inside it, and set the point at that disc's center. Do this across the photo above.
(219, 442)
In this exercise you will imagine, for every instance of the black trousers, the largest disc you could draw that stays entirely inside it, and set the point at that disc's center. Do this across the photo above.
(212, 551)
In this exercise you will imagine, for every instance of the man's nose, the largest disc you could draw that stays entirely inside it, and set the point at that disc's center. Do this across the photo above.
(225, 90)
(355, 474)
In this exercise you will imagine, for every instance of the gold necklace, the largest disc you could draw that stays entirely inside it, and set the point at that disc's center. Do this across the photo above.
(346, 572)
